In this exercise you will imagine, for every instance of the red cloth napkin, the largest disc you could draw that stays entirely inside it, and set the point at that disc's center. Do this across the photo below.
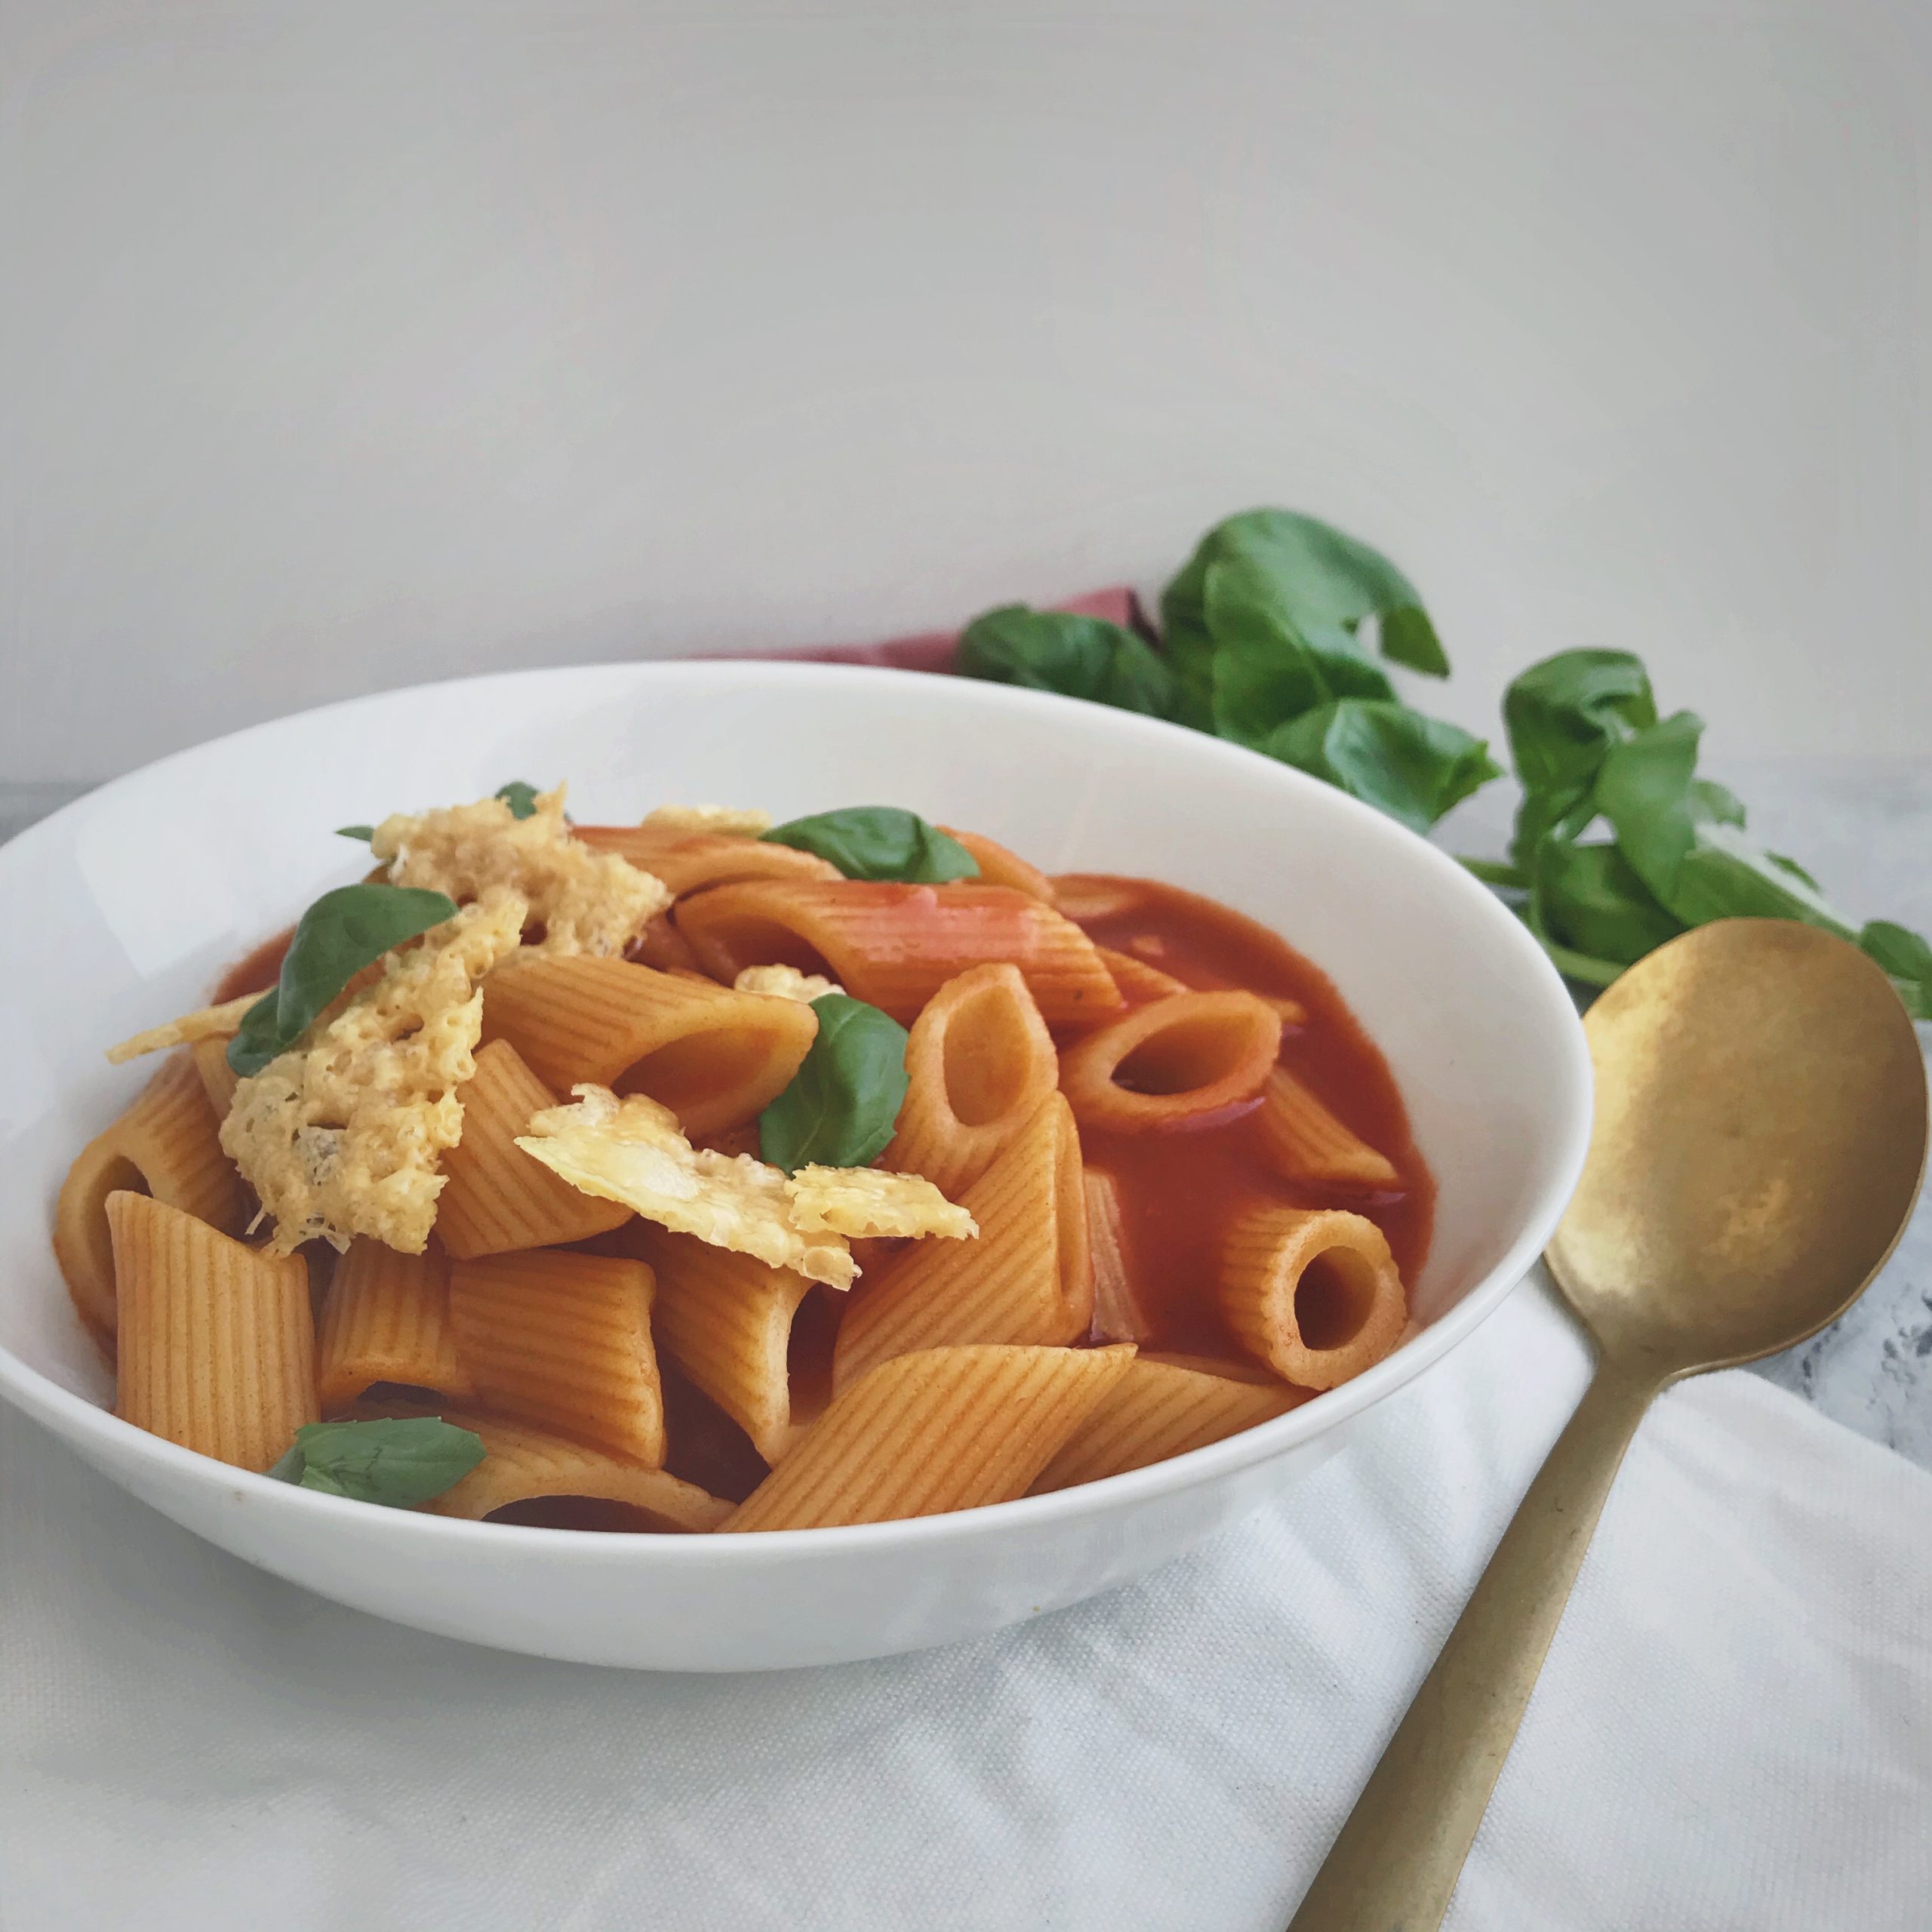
(933, 651)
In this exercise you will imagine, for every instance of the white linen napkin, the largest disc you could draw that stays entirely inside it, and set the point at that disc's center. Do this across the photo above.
(1734, 1728)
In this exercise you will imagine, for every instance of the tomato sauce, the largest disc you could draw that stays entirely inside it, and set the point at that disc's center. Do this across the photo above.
(1179, 1189)
(256, 973)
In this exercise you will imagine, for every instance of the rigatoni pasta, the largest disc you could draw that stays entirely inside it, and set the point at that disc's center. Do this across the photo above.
(167, 1144)
(999, 867)
(713, 1056)
(1161, 1408)
(726, 1320)
(1027, 1279)
(942, 1429)
(687, 859)
(1306, 1143)
(386, 1318)
(895, 946)
(562, 1342)
(979, 1063)
(1175, 1060)
(524, 1465)
(1313, 1293)
(699, 1174)
(217, 1340)
(495, 1200)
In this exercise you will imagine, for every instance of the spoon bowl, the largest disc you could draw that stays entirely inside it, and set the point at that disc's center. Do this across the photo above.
(1758, 1139)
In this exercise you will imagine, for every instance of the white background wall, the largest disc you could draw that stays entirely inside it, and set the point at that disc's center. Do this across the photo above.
(344, 345)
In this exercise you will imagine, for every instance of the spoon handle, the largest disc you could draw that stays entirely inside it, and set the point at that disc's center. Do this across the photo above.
(1396, 1863)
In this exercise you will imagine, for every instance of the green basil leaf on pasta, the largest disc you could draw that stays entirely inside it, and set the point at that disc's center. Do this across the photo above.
(364, 832)
(879, 842)
(398, 1463)
(1076, 656)
(1411, 767)
(843, 1102)
(343, 932)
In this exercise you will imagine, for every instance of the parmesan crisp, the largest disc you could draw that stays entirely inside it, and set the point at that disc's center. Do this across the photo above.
(342, 1135)
(633, 1151)
(785, 982)
(584, 901)
(866, 1202)
(206, 1023)
(726, 821)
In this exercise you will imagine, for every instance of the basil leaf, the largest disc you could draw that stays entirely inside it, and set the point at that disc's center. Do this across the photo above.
(1413, 767)
(1907, 957)
(1261, 624)
(879, 842)
(364, 832)
(1587, 899)
(1267, 672)
(522, 799)
(343, 932)
(398, 1463)
(1078, 657)
(843, 1103)
(1697, 862)
(1562, 716)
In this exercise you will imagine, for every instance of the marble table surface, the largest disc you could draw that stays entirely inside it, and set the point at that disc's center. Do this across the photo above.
(1864, 828)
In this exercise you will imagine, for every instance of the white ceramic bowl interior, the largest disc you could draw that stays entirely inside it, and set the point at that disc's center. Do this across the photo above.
(120, 911)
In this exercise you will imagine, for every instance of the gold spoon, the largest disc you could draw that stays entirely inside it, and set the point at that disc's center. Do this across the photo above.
(1758, 1142)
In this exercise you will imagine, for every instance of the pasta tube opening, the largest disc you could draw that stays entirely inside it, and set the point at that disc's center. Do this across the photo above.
(1173, 1062)
(979, 1063)
(1313, 1293)
(714, 1056)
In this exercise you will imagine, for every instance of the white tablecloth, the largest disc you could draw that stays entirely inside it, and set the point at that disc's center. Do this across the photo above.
(1734, 1729)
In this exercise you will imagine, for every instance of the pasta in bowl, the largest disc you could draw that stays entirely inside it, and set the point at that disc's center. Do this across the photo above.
(887, 1225)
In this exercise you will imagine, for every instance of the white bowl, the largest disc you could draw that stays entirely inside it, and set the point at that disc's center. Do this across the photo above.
(121, 910)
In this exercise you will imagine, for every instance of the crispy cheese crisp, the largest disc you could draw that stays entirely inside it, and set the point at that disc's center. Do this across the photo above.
(727, 821)
(866, 1202)
(206, 1023)
(633, 1151)
(785, 982)
(584, 901)
(342, 1135)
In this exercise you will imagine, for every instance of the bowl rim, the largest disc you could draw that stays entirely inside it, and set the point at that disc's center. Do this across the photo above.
(75, 1417)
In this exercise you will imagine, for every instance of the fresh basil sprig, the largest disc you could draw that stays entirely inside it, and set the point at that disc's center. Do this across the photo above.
(343, 932)
(1261, 624)
(363, 832)
(398, 1463)
(1076, 656)
(1261, 632)
(1619, 845)
(1590, 751)
(843, 1102)
(879, 842)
